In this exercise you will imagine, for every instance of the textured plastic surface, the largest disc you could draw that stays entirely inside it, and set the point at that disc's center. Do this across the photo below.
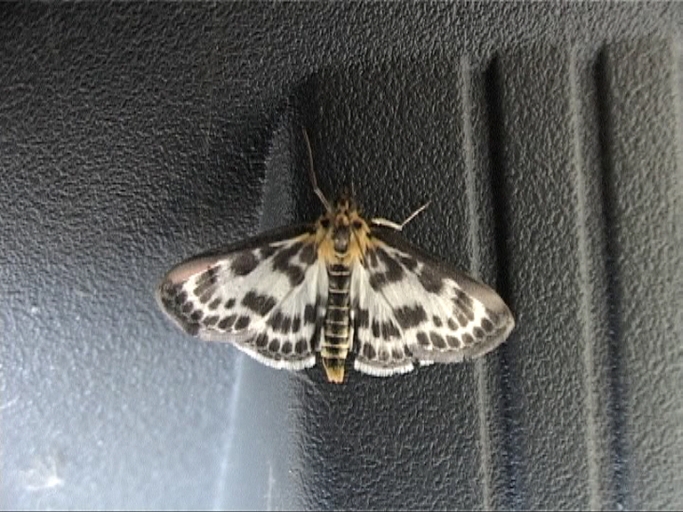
(549, 139)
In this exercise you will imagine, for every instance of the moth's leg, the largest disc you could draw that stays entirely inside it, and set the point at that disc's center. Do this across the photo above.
(378, 221)
(319, 332)
(318, 340)
(352, 345)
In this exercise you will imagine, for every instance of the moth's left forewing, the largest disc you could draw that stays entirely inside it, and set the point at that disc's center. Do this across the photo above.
(440, 314)
(263, 295)
(174, 293)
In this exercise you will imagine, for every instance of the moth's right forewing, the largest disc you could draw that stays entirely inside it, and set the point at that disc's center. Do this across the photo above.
(411, 307)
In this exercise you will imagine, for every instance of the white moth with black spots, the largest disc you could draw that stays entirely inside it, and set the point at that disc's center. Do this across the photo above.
(340, 286)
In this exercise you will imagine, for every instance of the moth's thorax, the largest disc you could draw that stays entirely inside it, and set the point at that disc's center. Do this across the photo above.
(342, 234)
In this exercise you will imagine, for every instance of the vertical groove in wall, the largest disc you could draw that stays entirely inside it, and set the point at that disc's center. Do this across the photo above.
(589, 340)
(614, 294)
(211, 83)
(480, 369)
(499, 190)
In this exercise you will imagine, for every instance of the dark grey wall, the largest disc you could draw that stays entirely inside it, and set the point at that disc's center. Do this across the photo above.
(549, 139)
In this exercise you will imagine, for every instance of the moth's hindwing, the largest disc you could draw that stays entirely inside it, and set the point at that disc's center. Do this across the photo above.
(264, 295)
(410, 308)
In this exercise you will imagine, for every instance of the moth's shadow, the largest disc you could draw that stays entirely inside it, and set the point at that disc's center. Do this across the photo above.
(371, 127)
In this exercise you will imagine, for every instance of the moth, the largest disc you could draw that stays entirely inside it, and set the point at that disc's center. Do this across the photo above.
(342, 286)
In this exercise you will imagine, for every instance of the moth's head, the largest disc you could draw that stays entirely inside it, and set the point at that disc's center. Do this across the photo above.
(343, 223)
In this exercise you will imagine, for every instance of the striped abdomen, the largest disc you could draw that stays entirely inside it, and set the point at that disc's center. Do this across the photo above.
(337, 340)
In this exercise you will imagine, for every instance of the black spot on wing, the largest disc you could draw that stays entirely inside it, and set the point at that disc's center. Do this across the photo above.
(389, 330)
(191, 328)
(498, 319)
(170, 298)
(196, 315)
(467, 339)
(369, 351)
(210, 320)
(286, 324)
(296, 324)
(308, 254)
(437, 340)
(462, 319)
(377, 281)
(243, 263)
(393, 271)
(171, 295)
(286, 348)
(295, 274)
(422, 339)
(282, 262)
(430, 279)
(452, 341)
(301, 346)
(261, 340)
(284, 256)
(206, 296)
(275, 320)
(230, 303)
(242, 323)
(169, 291)
(362, 318)
(408, 317)
(181, 297)
(214, 304)
(260, 304)
(279, 322)
(310, 315)
(371, 258)
(204, 285)
(274, 345)
(487, 325)
(465, 299)
(267, 251)
(408, 262)
(463, 303)
(453, 324)
(209, 277)
(227, 322)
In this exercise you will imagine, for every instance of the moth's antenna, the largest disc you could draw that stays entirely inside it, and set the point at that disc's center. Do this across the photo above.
(311, 174)
(415, 213)
(378, 221)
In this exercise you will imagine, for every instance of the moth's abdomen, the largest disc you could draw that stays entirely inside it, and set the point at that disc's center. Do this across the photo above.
(337, 342)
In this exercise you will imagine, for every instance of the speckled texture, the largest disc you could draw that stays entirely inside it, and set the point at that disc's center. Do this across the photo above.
(547, 136)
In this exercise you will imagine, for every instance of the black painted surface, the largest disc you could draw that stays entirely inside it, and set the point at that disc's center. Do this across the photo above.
(548, 138)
